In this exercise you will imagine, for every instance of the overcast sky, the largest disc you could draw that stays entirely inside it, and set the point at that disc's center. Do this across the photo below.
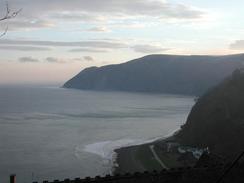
(52, 40)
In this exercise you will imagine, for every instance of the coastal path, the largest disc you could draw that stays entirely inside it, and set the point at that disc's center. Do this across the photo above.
(157, 158)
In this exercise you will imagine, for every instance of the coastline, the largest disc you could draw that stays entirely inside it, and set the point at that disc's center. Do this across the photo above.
(136, 158)
(137, 155)
(107, 150)
(150, 156)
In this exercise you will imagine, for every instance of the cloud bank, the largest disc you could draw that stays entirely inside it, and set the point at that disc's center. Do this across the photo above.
(23, 48)
(93, 46)
(55, 60)
(87, 44)
(46, 13)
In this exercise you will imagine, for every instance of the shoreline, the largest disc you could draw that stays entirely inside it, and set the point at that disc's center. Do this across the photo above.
(116, 151)
(153, 155)
(126, 157)
(107, 150)
(131, 155)
(128, 154)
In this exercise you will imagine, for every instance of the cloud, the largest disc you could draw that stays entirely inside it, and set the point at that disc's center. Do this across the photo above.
(55, 60)
(92, 46)
(78, 17)
(44, 13)
(88, 58)
(98, 29)
(91, 50)
(131, 25)
(28, 59)
(24, 48)
(86, 44)
(29, 24)
(111, 7)
(77, 59)
(146, 48)
(68, 60)
(237, 45)
(181, 11)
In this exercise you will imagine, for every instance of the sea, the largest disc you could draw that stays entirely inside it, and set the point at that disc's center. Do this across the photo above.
(49, 133)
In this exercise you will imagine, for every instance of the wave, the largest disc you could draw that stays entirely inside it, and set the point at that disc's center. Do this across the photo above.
(106, 149)
(30, 116)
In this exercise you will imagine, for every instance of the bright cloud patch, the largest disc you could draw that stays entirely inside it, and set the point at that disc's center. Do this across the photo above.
(237, 45)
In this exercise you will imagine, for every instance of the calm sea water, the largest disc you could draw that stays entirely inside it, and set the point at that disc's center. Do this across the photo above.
(54, 133)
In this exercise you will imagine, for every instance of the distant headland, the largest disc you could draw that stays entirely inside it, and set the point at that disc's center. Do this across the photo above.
(173, 74)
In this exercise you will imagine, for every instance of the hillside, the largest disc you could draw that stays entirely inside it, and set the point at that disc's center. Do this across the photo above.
(189, 75)
(217, 119)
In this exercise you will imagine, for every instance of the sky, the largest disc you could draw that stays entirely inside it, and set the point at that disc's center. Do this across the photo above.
(50, 41)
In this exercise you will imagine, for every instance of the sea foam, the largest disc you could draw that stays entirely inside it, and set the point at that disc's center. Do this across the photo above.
(106, 149)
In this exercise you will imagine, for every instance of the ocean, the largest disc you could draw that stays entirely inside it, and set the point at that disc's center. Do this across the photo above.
(49, 133)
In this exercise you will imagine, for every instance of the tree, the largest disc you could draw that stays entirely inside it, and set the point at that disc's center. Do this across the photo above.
(8, 15)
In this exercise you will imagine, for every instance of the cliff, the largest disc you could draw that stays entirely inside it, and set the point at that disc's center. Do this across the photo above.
(217, 119)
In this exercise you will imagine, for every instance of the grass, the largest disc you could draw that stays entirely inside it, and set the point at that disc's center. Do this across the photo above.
(141, 158)
(144, 154)
(169, 159)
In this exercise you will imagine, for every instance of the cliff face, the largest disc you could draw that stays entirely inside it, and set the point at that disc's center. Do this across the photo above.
(189, 75)
(217, 119)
